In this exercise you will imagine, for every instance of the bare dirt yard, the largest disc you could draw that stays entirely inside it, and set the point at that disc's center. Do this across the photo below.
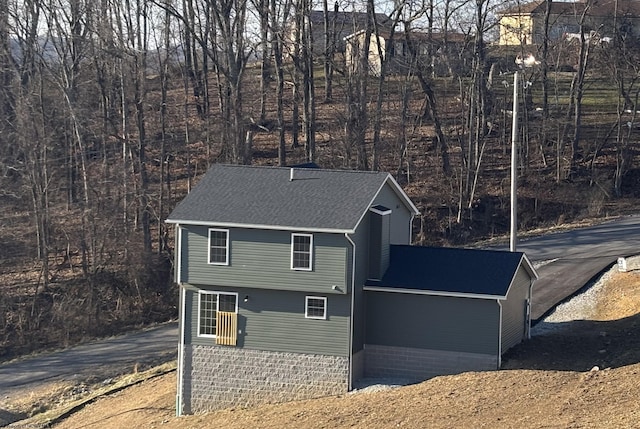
(550, 381)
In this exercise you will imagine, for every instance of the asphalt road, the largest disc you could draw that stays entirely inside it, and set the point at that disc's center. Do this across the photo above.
(103, 358)
(573, 258)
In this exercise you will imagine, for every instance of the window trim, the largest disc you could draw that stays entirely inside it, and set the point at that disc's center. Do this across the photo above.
(226, 261)
(310, 236)
(306, 307)
(217, 293)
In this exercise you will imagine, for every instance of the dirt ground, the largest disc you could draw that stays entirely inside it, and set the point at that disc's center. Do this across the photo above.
(548, 382)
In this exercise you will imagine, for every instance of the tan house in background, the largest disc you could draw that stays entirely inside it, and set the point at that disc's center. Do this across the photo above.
(433, 48)
(523, 24)
(341, 24)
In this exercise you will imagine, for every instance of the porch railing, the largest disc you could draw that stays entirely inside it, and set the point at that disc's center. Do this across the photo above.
(226, 328)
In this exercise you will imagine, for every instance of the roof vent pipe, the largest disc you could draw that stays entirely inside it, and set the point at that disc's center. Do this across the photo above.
(291, 175)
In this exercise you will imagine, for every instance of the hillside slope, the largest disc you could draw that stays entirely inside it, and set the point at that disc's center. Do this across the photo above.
(551, 389)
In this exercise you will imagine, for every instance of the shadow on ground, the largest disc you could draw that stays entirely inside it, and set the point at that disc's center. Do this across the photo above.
(579, 346)
(8, 417)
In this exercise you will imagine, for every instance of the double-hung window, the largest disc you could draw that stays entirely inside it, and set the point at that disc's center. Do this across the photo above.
(218, 246)
(301, 251)
(217, 316)
(315, 307)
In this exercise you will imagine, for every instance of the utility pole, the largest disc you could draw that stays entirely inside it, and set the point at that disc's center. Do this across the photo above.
(514, 168)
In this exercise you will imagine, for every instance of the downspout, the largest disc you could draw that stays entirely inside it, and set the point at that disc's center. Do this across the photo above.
(499, 335)
(411, 228)
(183, 295)
(179, 402)
(529, 309)
(353, 300)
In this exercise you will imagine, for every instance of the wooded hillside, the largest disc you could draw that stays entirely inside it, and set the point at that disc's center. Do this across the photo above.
(111, 111)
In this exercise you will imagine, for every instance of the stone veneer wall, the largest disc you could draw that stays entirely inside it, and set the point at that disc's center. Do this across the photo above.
(421, 364)
(217, 377)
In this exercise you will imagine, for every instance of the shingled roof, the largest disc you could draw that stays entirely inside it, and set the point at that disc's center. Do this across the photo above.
(267, 197)
(348, 18)
(450, 271)
(601, 8)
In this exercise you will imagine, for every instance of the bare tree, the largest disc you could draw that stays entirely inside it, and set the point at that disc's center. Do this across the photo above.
(576, 93)
(262, 8)
(303, 77)
(330, 47)
(279, 16)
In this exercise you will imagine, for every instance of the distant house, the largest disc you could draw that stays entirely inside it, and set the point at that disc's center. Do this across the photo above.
(442, 51)
(524, 24)
(341, 24)
(295, 283)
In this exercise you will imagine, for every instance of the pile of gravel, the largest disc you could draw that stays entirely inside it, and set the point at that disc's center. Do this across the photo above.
(579, 307)
(370, 385)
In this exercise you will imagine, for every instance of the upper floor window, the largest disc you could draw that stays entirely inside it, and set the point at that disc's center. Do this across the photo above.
(219, 246)
(301, 251)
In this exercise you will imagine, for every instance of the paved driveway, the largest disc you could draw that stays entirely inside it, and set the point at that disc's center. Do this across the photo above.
(573, 258)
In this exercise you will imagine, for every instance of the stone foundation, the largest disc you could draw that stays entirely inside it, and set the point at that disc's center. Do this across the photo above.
(421, 364)
(217, 377)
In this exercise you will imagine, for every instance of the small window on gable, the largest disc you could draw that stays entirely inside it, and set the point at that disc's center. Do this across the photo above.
(315, 307)
(219, 246)
(301, 251)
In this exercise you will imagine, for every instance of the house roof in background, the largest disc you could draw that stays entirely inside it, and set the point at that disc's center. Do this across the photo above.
(451, 271)
(352, 19)
(265, 197)
(600, 8)
(538, 7)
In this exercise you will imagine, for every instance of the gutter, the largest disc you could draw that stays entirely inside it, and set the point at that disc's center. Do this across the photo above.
(353, 299)
(259, 226)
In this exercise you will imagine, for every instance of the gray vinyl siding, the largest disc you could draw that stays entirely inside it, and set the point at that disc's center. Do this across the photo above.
(400, 225)
(361, 238)
(432, 322)
(262, 259)
(379, 250)
(275, 321)
(514, 311)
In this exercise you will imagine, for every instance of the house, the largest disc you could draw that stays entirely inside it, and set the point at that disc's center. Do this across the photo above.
(442, 51)
(523, 24)
(341, 24)
(295, 283)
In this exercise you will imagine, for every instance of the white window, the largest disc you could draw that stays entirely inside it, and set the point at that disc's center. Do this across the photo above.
(301, 251)
(218, 246)
(209, 303)
(315, 307)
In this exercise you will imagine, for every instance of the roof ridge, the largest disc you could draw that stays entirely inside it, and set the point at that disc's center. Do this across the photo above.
(277, 167)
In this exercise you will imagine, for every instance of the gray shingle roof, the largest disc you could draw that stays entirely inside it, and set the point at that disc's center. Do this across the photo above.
(450, 271)
(265, 197)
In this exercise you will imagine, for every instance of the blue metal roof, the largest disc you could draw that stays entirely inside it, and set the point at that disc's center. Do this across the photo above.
(451, 271)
